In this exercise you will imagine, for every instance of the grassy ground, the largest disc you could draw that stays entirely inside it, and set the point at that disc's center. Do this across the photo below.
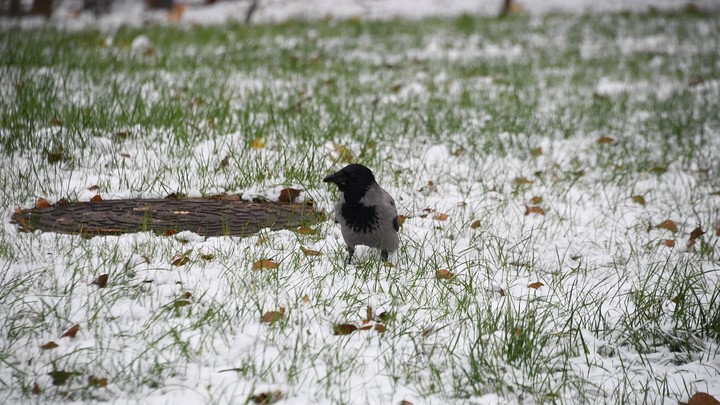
(604, 126)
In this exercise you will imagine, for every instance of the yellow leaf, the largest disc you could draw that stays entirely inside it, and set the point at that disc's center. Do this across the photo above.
(257, 143)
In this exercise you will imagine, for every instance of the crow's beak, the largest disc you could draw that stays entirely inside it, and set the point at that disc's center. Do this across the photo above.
(337, 178)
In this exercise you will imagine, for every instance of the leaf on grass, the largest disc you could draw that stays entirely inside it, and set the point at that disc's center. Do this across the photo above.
(273, 316)
(310, 252)
(668, 242)
(533, 209)
(384, 316)
(71, 332)
(179, 260)
(264, 264)
(305, 299)
(638, 199)
(257, 143)
(343, 153)
(60, 377)
(97, 381)
(444, 274)
(427, 331)
(696, 233)
(101, 280)
(55, 156)
(523, 181)
(180, 303)
(207, 257)
(49, 345)
(42, 203)
(535, 285)
(440, 217)
(288, 195)
(535, 200)
(267, 398)
(380, 328)
(702, 398)
(395, 88)
(36, 389)
(604, 140)
(304, 230)
(659, 170)
(667, 224)
(344, 329)
(96, 198)
(475, 224)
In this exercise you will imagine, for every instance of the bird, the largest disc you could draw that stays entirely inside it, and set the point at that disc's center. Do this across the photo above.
(365, 211)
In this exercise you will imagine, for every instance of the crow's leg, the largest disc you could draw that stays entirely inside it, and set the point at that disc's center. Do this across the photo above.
(384, 254)
(351, 252)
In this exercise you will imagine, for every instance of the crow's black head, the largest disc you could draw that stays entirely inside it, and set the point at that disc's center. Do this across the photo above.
(352, 179)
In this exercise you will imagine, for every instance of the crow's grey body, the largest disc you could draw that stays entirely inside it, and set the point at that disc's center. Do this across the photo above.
(366, 213)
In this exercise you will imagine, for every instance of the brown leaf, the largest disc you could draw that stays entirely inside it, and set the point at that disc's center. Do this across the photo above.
(702, 398)
(273, 316)
(475, 224)
(36, 389)
(310, 252)
(404, 402)
(344, 329)
(267, 398)
(535, 285)
(257, 143)
(264, 264)
(604, 140)
(667, 224)
(440, 217)
(97, 381)
(427, 331)
(668, 242)
(401, 219)
(49, 345)
(533, 209)
(389, 265)
(96, 198)
(71, 332)
(42, 203)
(444, 274)
(54, 156)
(343, 152)
(170, 232)
(288, 195)
(179, 260)
(304, 230)
(60, 377)
(535, 200)
(305, 299)
(62, 202)
(696, 233)
(523, 181)
(395, 88)
(384, 316)
(638, 199)
(101, 280)
(380, 328)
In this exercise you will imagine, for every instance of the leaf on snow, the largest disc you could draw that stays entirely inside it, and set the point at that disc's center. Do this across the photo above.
(42, 203)
(288, 195)
(60, 377)
(535, 285)
(523, 181)
(344, 329)
(273, 316)
(304, 230)
(101, 280)
(264, 264)
(36, 389)
(535, 200)
(179, 260)
(49, 345)
(310, 252)
(97, 381)
(702, 398)
(604, 140)
(96, 198)
(267, 398)
(257, 143)
(72, 331)
(475, 224)
(534, 209)
(444, 274)
(638, 199)
(667, 224)
(668, 242)
(696, 233)
(440, 217)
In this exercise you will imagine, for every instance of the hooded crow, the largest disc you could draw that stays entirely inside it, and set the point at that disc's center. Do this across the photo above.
(366, 213)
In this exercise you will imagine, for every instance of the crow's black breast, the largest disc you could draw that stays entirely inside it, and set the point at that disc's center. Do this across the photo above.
(359, 218)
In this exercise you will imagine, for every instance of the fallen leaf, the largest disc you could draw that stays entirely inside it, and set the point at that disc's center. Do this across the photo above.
(97, 382)
(310, 252)
(62, 202)
(272, 316)
(702, 398)
(667, 224)
(678, 298)
(288, 195)
(304, 230)
(401, 219)
(181, 303)
(444, 274)
(343, 152)
(440, 217)
(257, 143)
(535, 285)
(36, 389)
(395, 88)
(384, 316)
(264, 264)
(344, 329)
(427, 331)
(207, 257)
(179, 260)
(60, 377)
(170, 232)
(535, 200)
(223, 163)
(305, 299)
(267, 398)
(533, 209)
(96, 198)
(523, 181)
(71, 332)
(49, 345)
(380, 328)
(696, 233)
(659, 170)
(389, 265)
(42, 203)
(638, 199)
(668, 242)
(101, 280)
(475, 224)
(536, 152)
(94, 188)
(604, 140)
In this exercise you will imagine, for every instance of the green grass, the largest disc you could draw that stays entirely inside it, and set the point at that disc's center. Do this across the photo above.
(620, 318)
